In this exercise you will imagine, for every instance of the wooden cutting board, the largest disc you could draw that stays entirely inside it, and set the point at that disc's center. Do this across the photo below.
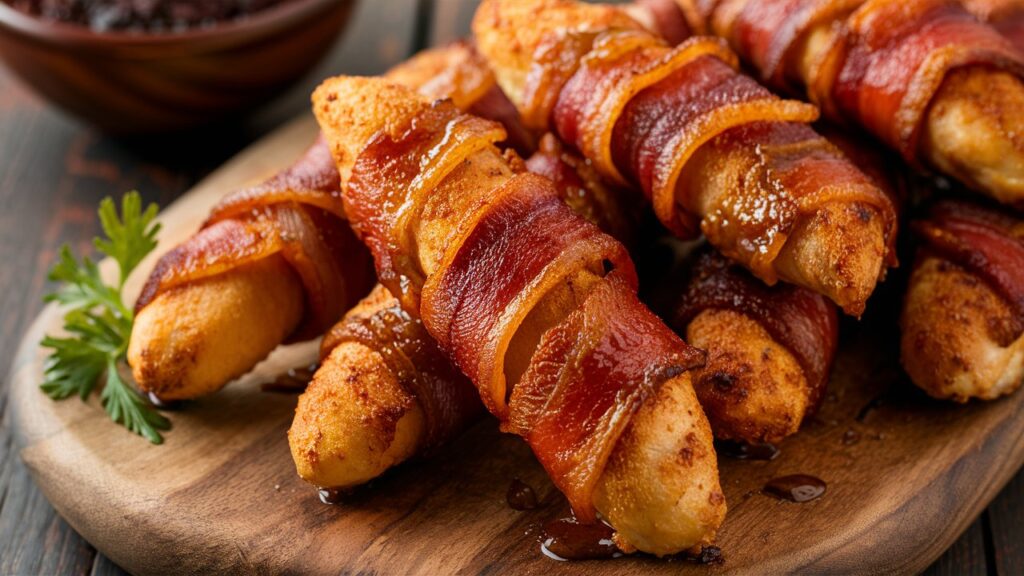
(906, 475)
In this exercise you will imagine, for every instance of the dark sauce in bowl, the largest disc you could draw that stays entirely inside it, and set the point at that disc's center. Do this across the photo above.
(142, 16)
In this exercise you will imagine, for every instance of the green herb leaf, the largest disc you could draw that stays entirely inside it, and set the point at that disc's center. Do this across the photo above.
(73, 368)
(130, 237)
(126, 407)
(99, 324)
(82, 288)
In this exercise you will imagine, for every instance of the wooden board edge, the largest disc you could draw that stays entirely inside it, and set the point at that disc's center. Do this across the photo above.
(860, 552)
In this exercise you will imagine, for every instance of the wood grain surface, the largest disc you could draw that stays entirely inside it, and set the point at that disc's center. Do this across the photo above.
(53, 173)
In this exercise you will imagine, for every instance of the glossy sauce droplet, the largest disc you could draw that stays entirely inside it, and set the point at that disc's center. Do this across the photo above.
(161, 404)
(710, 555)
(520, 496)
(331, 495)
(851, 437)
(567, 539)
(872, 405)
(744, 451)
(294, 381)
(796, 488)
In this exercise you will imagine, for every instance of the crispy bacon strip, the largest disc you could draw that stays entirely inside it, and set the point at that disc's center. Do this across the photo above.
(297, 213)
(382, 212)
(881, 71)
(987, 243)
(501, 257)
(529, 242)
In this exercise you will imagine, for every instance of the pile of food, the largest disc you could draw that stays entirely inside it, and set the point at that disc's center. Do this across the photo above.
(499, 187)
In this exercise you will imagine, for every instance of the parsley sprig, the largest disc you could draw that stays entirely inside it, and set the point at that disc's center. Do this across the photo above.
(98, 322)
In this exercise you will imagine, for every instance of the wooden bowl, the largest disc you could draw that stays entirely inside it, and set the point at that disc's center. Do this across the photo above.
(136, 83)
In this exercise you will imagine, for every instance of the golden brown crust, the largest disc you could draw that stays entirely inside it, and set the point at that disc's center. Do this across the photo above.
(512, 56)
(384, 112)
(839, 250)
(660, 488)
(975, 132)
(752, 388)
(193, 339)
(355, 420)
(957, 341)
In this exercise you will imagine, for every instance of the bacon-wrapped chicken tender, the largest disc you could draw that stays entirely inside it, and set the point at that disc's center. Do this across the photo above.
(205, 315)
(362, 413)
(535, 305)
(384, 393)
(963, 314)
(713, 151)
(770, 349)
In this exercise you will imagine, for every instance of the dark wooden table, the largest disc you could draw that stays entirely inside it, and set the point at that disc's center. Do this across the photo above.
(54, 171)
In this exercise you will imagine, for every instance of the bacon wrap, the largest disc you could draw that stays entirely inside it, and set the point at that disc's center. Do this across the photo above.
(593, 369)
(766, 32)
(297, 213)
(527, 243)
(804, 322)
(449, 401)
(986, 243)
(384, 197)
(637, 107)
(588, 377)
(892, 59)
(798, 171)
